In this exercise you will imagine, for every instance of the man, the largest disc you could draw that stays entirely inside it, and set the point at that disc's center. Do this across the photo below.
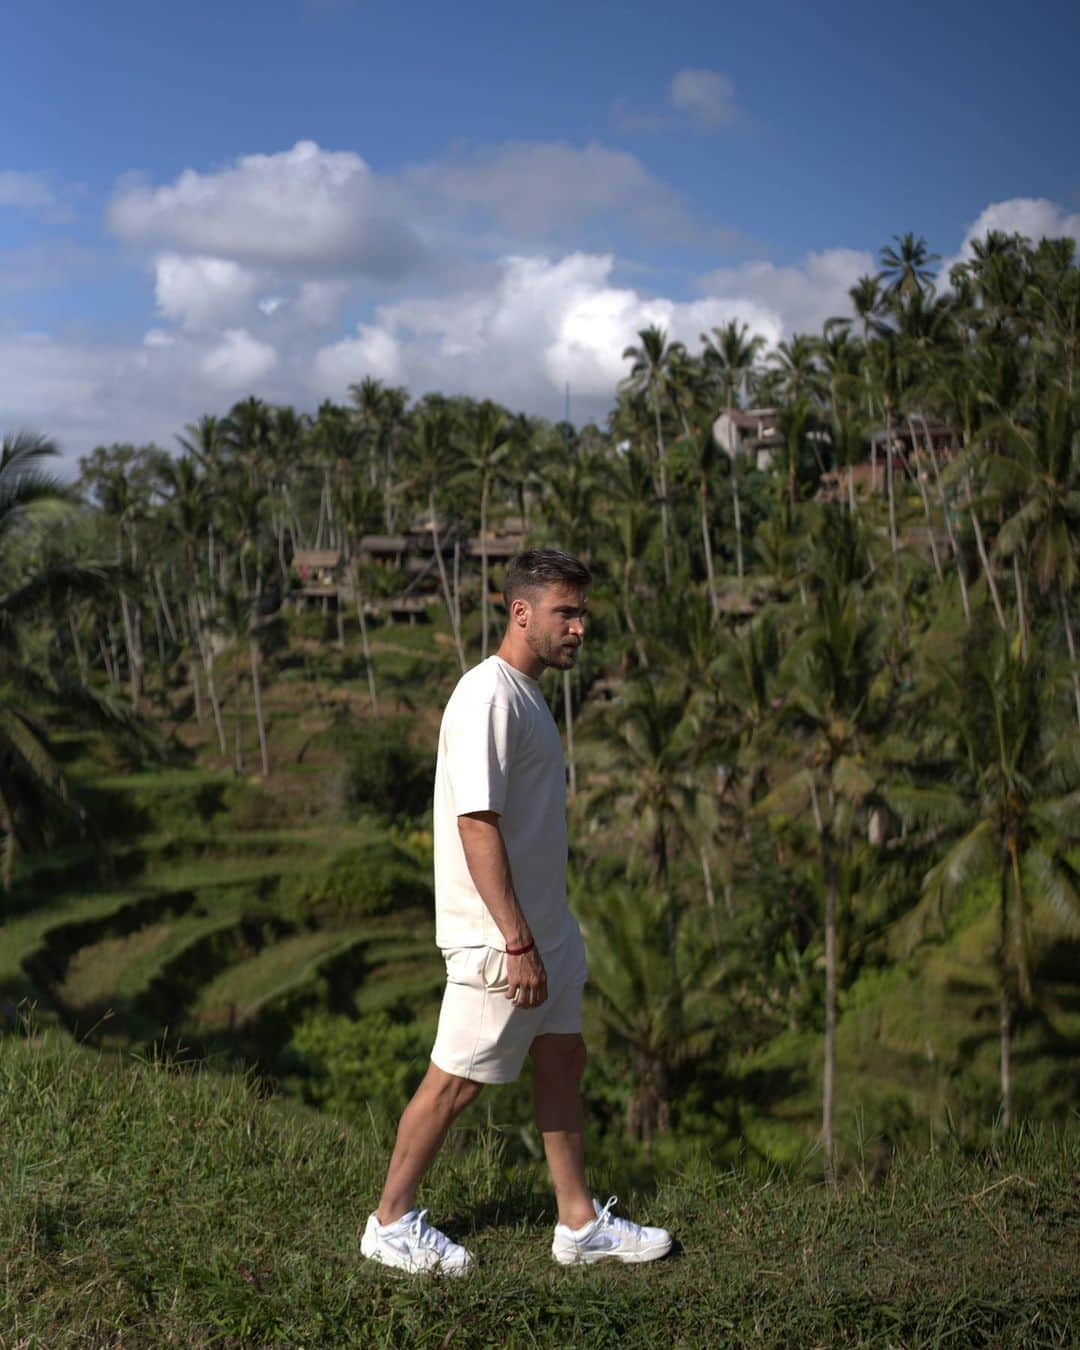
(515, 960)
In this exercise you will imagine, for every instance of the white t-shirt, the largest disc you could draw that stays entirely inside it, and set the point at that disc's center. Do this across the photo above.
(499, 750)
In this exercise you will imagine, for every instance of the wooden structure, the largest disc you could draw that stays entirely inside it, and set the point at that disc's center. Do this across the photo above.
(321, 571)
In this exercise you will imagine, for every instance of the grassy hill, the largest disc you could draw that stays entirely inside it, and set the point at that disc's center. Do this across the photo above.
(220, 912)
(145, 1204)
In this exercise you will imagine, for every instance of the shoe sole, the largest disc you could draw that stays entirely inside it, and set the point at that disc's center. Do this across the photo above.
(653, 1253)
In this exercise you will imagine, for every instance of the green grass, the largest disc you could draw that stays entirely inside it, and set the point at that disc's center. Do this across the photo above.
(242, 987)
(142, 1206)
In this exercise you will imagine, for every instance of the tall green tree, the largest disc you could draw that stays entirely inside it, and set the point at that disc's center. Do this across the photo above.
(1010, 805)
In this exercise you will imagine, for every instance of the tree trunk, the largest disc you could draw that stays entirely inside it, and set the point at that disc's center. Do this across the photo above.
(628, 615)
(709, 570)
(947, 516)
(365, 645)
(1070, 642)
(451, 600)
(1021, 607)
(256, 689)
(238, 749)
(165, 607)
(829, 1078)
(984, 558)
(1006, 1000)
(661, 456)
(736, 504)
(890, 487)
(483, 571)
(926, 506)
(80, 655)
(206, 651)
(568, 706)
(457, 589)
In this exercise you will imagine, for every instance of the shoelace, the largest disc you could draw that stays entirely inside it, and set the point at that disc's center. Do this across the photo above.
(424, 1235)
(606, 1219)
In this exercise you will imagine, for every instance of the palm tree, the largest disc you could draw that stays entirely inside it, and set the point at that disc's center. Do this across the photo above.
(654, 990)
(486, 454)
(1038, 470)
(650, 375)
(34, 795)
(434, 459)
(906, 269)
(1009, 802)
(646, 750)
(834, 704)
(730, 358)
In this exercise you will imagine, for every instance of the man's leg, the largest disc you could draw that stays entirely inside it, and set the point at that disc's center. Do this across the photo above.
(558, 1063)
(436, 1104)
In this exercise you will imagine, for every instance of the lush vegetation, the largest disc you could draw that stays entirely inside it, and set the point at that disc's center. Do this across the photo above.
(146, 1205)
(822, 740)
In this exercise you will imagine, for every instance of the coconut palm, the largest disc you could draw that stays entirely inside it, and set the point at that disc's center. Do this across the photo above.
(730, 358)
(434, 460)
(836, 701)
(1037, 471)
(651, 375)
(1010, 805)
(906, 269)
(487, 448)
(655, 991)
(34, 796)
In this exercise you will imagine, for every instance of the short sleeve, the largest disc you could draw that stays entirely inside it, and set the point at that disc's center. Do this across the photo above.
(477, 744)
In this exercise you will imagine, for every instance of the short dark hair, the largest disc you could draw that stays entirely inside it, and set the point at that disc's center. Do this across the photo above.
(536, 568)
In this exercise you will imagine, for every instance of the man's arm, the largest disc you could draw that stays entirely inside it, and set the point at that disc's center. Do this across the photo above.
(485, 854)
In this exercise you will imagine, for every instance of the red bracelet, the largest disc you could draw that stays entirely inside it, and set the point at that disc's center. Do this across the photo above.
(520, 951)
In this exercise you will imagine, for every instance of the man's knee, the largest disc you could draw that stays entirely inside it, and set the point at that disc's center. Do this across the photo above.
(450, 1093)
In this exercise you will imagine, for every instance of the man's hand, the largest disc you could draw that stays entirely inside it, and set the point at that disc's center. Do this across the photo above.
(526, 980)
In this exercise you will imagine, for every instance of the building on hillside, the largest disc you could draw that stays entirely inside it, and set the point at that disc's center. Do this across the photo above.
(753, 434)
(320, 570)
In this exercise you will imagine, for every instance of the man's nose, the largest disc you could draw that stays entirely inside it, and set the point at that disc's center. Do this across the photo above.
(577, 627)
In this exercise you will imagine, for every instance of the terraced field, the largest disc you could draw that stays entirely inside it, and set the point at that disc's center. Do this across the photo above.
(206, 936)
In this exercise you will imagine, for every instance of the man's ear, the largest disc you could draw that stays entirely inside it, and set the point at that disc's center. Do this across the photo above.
(519, 610)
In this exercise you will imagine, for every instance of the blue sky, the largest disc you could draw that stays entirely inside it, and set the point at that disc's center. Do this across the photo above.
(202, 201)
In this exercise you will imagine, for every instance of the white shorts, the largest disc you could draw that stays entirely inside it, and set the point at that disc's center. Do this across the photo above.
(482, 1036)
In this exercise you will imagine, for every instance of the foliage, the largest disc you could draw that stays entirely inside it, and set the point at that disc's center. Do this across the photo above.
(360, 880)
(385, 775)
(354, 1067)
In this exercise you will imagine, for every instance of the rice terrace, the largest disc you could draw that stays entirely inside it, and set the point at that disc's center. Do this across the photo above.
(821, 735)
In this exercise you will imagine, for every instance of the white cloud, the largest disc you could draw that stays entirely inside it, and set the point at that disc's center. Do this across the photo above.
(202, 292)
(540, 324)
(537, 189)
(318, 303)
(789, 299)
(1034, 217)
(305, 207)
(699, 99)
(706, 96)
(25, 191)
(238, 361)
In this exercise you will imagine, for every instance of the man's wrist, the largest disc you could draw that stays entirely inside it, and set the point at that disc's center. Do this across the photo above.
(517, 937)
(519, 949)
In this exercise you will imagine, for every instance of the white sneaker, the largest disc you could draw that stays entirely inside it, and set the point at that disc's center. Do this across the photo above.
(412, 1244)
(608, 1238)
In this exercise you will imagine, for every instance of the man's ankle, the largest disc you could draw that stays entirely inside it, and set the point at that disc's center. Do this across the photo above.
(388, 1214)
(577, 1217)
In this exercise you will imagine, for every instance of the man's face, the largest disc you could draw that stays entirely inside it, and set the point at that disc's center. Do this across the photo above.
(555, 626)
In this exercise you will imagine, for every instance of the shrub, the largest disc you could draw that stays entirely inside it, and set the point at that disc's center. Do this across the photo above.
(358, 881)
(349, 1066)
(384, 773)
(250, 807)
